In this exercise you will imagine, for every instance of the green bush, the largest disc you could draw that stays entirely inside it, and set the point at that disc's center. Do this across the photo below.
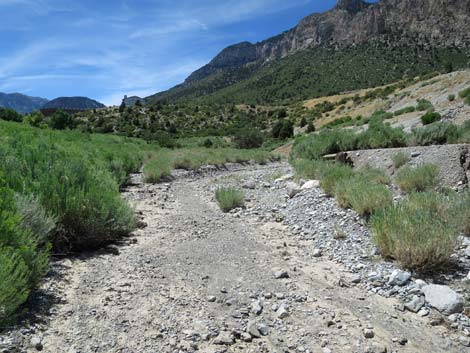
(61, 120)
(362, 195)
(451, 97)
(424, 104)
(283, 129)
(332, 175)
(310, 169)
(248, 138)
(436, 134)
(22, 261)
(76, 178)
(34, 218)
(430, 117)
(419, 179)
(10, 115)
(404, 111)
(380, 135)
(229, 198)
(375, 175)
(460, 212)
(400, 159)
(465, 93)
(414, 232)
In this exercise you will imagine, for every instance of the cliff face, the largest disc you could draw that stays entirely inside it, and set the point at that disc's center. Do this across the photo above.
(430, 22)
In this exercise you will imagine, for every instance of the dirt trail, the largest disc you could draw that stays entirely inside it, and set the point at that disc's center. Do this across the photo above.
(196, 278)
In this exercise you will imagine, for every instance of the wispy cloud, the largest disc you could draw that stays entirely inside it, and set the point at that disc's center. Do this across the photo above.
(108, 48)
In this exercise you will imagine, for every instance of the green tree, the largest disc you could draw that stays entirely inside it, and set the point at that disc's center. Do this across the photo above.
(10, 115)
(122, 107)
(61, 120)
(34, 119)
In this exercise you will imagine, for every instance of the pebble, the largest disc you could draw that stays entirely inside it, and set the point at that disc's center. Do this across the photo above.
(368, 333)
(281, 274)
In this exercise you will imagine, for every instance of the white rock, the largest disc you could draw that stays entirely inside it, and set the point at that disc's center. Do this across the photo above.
(311, 184)
(292, 189)
(399, 278)
(282, 312)
(420, 283)
(443, 299)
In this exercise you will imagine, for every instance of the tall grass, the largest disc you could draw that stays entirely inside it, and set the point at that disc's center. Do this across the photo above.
(416, 232)
(423, 178)
(229, 198)
(165, 161)
(400, 159)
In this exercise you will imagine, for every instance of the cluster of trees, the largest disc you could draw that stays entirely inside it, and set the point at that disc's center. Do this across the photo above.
(60, 120)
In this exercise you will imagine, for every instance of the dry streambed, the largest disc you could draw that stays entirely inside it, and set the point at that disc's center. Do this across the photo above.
(269, 278)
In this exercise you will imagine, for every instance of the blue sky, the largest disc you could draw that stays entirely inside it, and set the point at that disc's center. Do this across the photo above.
(104, 49)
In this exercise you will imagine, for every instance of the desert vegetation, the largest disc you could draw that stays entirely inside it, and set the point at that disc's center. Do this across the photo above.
(229, 198)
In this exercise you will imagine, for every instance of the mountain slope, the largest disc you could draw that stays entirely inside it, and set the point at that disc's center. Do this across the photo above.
(21, 103)
(73, 103)
(425, 35)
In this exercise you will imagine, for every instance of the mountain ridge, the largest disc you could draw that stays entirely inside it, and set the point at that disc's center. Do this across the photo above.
(425, 24)
(73, 103)
(21, 103)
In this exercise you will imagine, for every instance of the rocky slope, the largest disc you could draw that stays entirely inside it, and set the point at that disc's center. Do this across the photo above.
(21, 103)
(422, 24)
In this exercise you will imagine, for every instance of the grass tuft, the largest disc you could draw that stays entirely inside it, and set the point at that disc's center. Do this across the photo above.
(400, 159)
(229, 198)
(415, 232)
(419, 179)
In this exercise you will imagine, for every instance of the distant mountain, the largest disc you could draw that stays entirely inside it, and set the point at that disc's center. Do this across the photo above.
(354, 45)
(21, 103)
(73, 103)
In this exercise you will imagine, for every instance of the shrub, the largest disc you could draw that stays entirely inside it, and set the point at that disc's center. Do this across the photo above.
(208, 143)
(460, 212)
(414, 233)
(465, 93)
(248, 138)
(303, 122)
(310, 127)
(22, 261)
(61, 120)
(424, 104)
(229, 198)
(400, 159)
(430, 117)
(363, 196)
(380, 135)
(308, 169)
(451, 97)
(10, 115)
(404, 111)
(34, 218)
(436, 134)
(418, 179)
(375, 175)
(158, 168)
(283, 129)
(332, 175)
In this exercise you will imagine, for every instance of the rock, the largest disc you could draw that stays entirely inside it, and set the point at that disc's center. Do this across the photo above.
(211, 299)
(420, 283)
(423, 312)
(113, 249)
(246, 337)
(415, 154)
(415, 304)
(399, 278)
(403, 341)
(464, 341)
(263, 329)
(250, 184)
(224, 339)
(292, 189)
(368, 333)
(317, 253)
(443, 299)
(36, 342)
(257, 307)
(283, 311)
(311, 184)
(252, 329)
(284, 178)
(376, 348)
(281, 274)
(355, 279)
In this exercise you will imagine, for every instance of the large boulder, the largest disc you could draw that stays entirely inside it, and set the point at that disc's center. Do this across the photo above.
(311, 184)
(443, 299)
(292, 189)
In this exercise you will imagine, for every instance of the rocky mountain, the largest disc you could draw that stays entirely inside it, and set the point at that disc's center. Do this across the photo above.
(21, 103)
(73, 103)
(420, 35)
